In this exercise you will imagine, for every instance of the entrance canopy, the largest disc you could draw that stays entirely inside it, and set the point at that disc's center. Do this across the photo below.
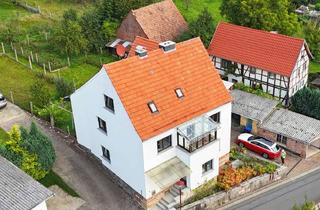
(198, 128)
(168, 173)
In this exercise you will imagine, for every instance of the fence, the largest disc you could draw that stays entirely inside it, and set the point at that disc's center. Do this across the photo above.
(27, 7)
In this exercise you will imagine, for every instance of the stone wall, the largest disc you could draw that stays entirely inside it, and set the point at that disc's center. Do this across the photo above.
(292, 145)
(220, 198)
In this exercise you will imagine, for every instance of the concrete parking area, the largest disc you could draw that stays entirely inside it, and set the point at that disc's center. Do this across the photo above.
(76, 169)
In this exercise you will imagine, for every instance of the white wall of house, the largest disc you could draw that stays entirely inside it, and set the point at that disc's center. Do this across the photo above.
(193, 160)
(123, 142)
(41, 206)
(299, 76)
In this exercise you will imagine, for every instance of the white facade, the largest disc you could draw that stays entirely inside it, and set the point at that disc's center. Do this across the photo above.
(279, 86)
(41, 206)
(130, 157)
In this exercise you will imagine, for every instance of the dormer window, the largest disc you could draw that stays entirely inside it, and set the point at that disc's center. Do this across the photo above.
(152, 106)
(179, 93)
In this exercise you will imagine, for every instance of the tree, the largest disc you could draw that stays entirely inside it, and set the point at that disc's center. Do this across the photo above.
(63, 87)
(18, 155)
(203, 27)
(68, 35)
(269, 15)
(40, 94)
(306, 102)
(37, 143)
(312, 36)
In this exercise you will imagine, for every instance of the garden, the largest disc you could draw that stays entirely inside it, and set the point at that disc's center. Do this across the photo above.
(32, 152)
(240, 168)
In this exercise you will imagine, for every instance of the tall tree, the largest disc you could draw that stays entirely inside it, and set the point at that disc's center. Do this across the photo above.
(269, 15)
(203, 27)
(312, 36)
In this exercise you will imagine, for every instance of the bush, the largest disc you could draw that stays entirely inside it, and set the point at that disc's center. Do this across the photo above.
(37, 143)
(308, 205)
(317, 7)
(306, 102)
(63, 87)
(257, 91)
(40, 94)
(203, 191)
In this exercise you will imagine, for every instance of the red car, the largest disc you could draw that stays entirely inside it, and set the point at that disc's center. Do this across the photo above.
(260, 145)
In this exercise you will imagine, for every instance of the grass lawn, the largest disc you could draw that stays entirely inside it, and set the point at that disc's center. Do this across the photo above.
(9, 11)
(3, 136)
(314, 67)
(196, 6)
(18, 79)
(54, 179)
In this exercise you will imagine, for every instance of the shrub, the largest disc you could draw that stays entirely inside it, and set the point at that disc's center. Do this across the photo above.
(63, 87)
(256, 91)
(40, 94)
(203, 191)
(317, 7)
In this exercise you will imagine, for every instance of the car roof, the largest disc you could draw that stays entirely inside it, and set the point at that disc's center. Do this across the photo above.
(264, 141)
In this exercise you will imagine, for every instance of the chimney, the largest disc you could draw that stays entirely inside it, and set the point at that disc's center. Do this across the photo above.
(167, 46)
(141, 51)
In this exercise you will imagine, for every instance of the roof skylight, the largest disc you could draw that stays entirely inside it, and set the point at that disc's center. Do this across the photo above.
(152, 106)
(179, 93)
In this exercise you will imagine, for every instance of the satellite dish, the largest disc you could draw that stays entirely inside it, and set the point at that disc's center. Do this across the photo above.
(120, 50)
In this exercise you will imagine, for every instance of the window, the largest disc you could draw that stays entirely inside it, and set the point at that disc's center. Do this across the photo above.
(105, 153)
(252, 70)
(216, 117)
(164, 143)
(225, 64)
(207, 166)
(304, 66)
(109, 103)
(179, 93)
(153, 108)
(102, 124)
(282, 139)
(271, 75)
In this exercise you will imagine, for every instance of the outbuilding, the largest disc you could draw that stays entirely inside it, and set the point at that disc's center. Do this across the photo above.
(296, 132)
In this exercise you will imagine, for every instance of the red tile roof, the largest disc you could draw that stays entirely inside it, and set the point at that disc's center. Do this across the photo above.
(269, 51)
(155, 78)
(146, 43)
(160, 21)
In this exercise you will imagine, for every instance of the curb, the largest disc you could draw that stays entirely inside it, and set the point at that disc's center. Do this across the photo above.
(267, 188)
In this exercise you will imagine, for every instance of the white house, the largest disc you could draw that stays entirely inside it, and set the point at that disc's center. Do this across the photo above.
(19, 191)
(277, 64)
(156, 118)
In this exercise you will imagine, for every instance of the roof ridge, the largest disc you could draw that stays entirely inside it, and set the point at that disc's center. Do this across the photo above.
(260, 31)
(150, 5)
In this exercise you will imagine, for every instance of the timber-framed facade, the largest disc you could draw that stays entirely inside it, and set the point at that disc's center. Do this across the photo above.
(252, 67)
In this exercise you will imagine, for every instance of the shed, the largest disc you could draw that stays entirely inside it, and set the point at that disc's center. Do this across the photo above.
(250, 110)
(296, 132)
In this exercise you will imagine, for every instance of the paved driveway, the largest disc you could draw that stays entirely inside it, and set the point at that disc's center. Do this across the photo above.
(81, 173)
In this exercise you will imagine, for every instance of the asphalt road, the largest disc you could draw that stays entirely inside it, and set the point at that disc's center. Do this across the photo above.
(285, 196)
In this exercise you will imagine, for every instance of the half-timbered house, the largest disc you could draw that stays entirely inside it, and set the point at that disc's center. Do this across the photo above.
(275, 63)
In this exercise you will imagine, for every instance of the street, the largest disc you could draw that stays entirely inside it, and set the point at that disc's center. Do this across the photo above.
(284, 197)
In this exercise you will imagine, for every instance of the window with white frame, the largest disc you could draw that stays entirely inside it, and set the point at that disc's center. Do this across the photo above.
(207, 166)
(164, 143)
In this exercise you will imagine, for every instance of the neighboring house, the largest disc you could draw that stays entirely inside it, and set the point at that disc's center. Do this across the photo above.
(277, 64)
(250, 110)
(160, 21)
(147, 44)
(298, 133)
(156, 118)
(19, 191)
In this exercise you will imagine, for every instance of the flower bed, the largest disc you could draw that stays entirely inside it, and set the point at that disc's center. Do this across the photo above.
(230, 176)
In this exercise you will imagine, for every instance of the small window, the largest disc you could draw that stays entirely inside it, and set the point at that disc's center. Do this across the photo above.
(164, 143)
(216, 117)
(207, 166)
(282, 139)
(179, 93)
(271, 75)
(102, 125)
(153, 108)
(105, 153)
(225, 64)
(304, 66)
(109, 103)
(252, 70)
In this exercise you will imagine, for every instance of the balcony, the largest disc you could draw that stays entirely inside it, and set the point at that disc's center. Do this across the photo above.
(197, 133)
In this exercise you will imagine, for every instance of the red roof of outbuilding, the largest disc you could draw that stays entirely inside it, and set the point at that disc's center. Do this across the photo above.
(265, 50)
(146, 43)
(155, 78)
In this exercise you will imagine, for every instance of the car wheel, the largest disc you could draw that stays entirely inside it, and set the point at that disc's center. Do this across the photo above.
(241, 145)
(266, 156)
